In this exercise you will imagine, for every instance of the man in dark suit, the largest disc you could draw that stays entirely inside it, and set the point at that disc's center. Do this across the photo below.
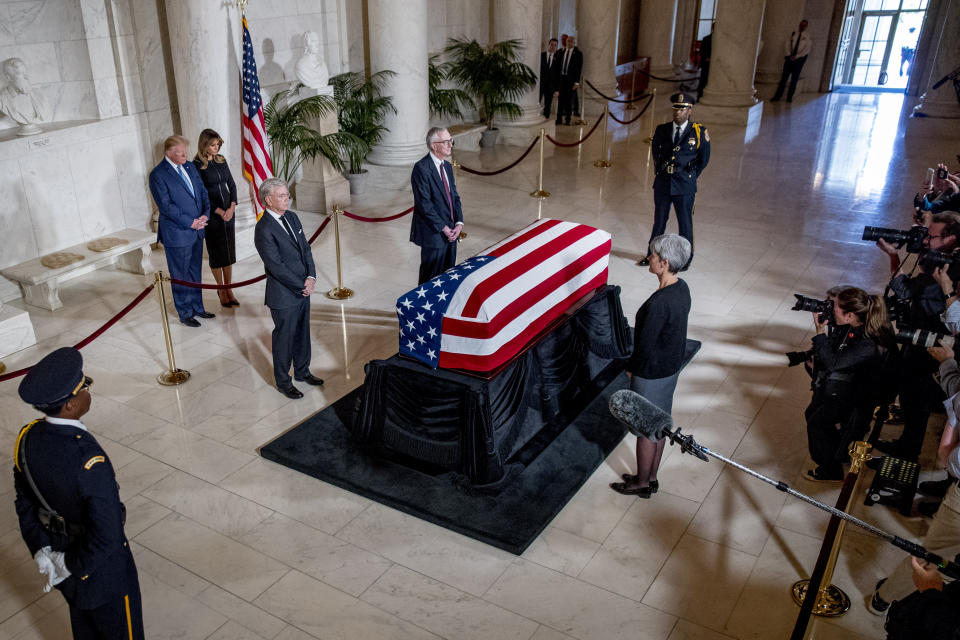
(437, 217)
(549, 76)
(795, 52)
(571, 67)
(681, 151)
(288, 263)
(184, 210)
(69, 507)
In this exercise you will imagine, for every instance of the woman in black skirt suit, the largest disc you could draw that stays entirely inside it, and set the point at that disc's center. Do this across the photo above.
(660, 351)
(221, 247)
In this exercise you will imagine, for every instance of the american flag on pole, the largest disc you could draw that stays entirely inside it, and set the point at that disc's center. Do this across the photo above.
(481, 313)
(256, 161)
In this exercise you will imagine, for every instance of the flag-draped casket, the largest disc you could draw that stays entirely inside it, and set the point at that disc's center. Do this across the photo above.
(481, 313)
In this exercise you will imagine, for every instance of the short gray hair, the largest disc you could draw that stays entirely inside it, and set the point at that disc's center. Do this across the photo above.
(268, 186)
(433, 133)
(672, 248)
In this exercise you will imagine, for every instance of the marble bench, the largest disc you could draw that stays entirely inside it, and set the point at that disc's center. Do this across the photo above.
(41, 284)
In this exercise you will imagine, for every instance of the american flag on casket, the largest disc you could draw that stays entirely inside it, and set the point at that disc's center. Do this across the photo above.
(481, 313)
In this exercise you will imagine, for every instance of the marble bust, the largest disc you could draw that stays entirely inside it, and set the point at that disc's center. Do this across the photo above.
(18, 100)
(311, 69)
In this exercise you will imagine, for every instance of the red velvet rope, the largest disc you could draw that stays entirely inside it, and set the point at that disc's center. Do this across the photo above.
(234, 285)
(93, 336)
(506, 168)
(385, 219)
(632, 120)
(628, 100)
(578, 142)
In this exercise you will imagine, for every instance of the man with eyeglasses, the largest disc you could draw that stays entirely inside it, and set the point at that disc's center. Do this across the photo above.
(437, 216)
(68, 504)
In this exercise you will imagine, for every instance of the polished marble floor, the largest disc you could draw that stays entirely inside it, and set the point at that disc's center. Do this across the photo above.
(232, 546)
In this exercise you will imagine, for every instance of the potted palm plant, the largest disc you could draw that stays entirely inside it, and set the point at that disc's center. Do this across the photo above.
(493, 76)
(445, 102)
(361, 108)
(293, 139)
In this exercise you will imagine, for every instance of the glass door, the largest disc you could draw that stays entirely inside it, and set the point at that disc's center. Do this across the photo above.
(877, 44)
(873, 49)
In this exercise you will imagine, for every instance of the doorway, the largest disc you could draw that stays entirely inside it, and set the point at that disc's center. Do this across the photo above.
(878, 44)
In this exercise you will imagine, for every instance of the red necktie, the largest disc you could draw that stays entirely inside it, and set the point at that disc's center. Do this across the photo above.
(446, 185)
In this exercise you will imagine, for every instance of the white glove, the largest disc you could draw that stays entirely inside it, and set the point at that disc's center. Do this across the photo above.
(51, 564)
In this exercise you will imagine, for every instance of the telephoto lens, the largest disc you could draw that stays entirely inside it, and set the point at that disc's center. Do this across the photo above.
(922, 337)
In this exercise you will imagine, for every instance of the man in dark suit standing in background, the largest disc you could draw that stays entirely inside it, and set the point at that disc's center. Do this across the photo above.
(795, 50)
(571, 66)
(549, 76)
(681, 151)
(184, 210)
(291, 275)
(437, 217)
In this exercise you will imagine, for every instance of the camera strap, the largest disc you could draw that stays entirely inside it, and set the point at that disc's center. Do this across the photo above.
(20, 461)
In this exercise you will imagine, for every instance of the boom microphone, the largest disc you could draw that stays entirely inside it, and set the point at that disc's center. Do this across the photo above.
(641, 416)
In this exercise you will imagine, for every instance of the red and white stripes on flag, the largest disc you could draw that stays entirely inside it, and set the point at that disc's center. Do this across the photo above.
(256, 161)
(483, 312)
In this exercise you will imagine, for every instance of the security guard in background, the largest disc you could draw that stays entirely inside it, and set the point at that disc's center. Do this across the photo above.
(69, 507)
(681, 151)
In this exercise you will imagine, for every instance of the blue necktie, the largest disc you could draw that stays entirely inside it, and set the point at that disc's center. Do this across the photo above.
(186, 178)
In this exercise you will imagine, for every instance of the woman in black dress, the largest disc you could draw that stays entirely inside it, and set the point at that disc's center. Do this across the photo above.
(221, 246)
(660, 351)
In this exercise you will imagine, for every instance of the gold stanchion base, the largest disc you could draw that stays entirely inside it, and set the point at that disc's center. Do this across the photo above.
(579, 122)
(172, 378)
(463, 234)
(340, 293)
(832, 602)
(602, 164)
(540, 193)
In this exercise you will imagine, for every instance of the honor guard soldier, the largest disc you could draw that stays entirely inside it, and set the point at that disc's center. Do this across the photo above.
(69, 507)
(681, 151)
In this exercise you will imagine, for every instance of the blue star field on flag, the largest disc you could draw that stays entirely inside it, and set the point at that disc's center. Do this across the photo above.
(420, 312)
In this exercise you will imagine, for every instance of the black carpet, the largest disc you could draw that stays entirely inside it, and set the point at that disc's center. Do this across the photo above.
(541, 477)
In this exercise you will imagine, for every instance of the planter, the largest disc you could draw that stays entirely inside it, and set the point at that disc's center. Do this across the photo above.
(358, 181)
(489, 138)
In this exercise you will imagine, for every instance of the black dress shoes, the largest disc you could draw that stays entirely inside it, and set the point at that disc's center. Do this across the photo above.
(189, 322)
(206, 315)
(311, 379)
(291, 392)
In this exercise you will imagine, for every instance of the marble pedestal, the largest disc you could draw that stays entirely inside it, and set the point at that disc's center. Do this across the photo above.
(744, 116)
(16, 330)
(322, 186)
(520, 135)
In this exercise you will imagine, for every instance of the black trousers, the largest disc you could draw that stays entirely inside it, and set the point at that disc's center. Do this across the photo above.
(791, 70)
(827, 421)
(291, 342)
(436, 260)
(548, 101)
(565, 101)
(682, 205)
(119, 619)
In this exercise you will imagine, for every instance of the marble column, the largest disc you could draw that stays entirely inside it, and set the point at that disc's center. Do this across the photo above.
(730, 97)
(779, 19)
(684, 33)
(942, 102)
(655, 40)
(205, 47)
(522, 20)
(597, 37)
(397, 36)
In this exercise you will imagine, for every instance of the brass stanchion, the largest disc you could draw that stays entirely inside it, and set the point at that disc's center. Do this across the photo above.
(173, 376)
(653, 108)
(581, 121)
(339, 292)
(540, 193)
(632, 106)
(3, 368)
(831, 600)
(602, 163)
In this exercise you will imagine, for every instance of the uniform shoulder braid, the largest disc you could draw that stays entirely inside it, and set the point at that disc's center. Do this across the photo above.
(701, 130)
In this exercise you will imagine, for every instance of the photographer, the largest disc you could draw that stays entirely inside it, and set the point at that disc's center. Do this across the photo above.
(847, 364)
(943, 234)
(942, 194)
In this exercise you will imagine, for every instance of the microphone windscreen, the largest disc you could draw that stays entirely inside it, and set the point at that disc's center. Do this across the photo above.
(641, 416)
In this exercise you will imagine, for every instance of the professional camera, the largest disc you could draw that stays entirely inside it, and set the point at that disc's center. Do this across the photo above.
(932, 259)
(823, 307)
(798, 357)
(912, 237)
(922, 337)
